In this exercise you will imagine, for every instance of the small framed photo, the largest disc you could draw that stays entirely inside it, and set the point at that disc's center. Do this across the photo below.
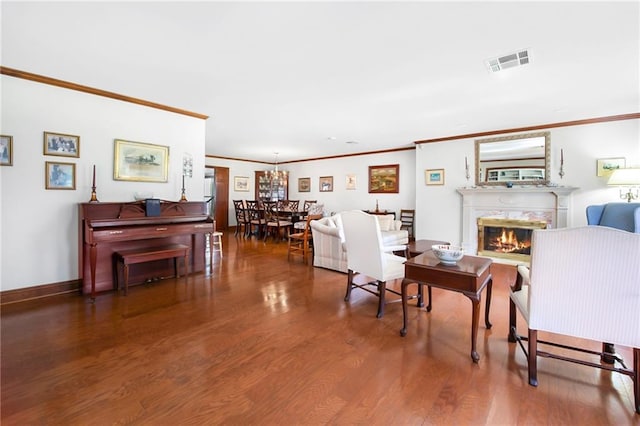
(384, 179)
(61, 144)
(241, 184)
(59, 175)
(326, 183)
(140, 162)
(434, 176)
(6, 150)
(304, 184)
(351, 182)
(606, 166)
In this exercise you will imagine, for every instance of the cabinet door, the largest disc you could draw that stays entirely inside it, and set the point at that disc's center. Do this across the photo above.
(271, 190)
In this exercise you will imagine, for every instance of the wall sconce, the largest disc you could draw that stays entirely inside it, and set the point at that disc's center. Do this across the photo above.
(627, 179)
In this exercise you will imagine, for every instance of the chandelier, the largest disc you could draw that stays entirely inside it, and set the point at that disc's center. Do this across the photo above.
(278, 175)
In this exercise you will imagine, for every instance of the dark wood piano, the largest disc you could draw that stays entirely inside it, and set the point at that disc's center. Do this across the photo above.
(105, 228)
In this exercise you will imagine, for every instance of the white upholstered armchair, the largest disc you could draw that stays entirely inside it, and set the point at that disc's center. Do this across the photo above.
(583, 282)
(368, 256)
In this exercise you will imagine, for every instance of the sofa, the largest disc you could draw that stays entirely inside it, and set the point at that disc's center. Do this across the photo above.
(329, 249)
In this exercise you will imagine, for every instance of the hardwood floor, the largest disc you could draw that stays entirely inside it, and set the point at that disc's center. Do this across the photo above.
(266, 342)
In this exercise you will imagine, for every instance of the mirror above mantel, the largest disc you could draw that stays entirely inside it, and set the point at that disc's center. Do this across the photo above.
(517, 159)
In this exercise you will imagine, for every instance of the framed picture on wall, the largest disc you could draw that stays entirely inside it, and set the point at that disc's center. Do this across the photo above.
(434, 177)
(304, 184)
(351, 182)
(59, 175)
(326, 183)
(61, 144)
(241, 184)
(384, 179)
(6, 150)
(140, 162)
(606, 166)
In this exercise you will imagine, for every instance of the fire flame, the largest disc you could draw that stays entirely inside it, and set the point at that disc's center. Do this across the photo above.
(507, 242)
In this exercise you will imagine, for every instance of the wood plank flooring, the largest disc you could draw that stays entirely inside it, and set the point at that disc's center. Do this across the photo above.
(261, 341)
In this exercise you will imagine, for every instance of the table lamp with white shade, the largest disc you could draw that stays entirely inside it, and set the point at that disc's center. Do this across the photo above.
(628, 180)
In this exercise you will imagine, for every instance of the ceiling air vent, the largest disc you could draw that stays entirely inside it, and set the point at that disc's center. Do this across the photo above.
(521, 57)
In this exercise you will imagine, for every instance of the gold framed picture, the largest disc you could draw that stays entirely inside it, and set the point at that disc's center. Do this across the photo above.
(61, 144)
(6, 150)
(606, 166)
(59, 175)
(326, 183)
(241, 183)
(434, 176)
(384, 179)
(304, 184)
(140, 162)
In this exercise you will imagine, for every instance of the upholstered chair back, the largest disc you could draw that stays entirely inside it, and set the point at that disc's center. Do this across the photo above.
(624, 216)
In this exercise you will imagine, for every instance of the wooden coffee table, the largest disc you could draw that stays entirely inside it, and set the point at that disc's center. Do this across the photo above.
(469, 276)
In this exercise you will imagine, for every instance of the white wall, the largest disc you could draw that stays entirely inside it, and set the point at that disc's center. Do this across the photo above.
(439, 208)
(39, 227)
(340, 198)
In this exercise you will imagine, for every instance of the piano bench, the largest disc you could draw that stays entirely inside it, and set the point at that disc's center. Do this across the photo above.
(149, 254)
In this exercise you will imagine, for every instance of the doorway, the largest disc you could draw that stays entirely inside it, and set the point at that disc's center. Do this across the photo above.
(216, 195)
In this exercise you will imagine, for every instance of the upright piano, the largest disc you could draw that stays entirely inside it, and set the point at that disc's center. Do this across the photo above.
(105, 228)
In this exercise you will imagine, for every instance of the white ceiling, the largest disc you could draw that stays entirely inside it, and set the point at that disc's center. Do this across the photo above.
(303, 78)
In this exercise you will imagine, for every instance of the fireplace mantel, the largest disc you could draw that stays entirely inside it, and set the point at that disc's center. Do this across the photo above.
(552, 202)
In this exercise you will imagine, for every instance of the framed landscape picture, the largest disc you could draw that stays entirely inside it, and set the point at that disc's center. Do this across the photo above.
(61, 144)
(384, 179)
(326, 183)
(304, 184)
(434, 177)
(6, 150)
(59, 175)
(141, 162)
(606, 166)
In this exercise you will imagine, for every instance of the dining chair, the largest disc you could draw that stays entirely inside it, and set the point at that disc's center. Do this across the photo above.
(407, 217)
(582, 283)
(300, 243)
(255, 216)
(367, 257)
(294, 205)
(241, 217)
(274, 222)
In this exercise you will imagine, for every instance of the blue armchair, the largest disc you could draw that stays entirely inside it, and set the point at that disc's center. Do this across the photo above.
(625, 216)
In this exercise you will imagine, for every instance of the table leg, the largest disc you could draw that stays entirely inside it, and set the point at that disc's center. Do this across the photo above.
(403, 286)
(488, 303)
(429, 296)
(475, 319)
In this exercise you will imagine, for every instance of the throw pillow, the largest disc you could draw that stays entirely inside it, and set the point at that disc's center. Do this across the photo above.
(316, 209)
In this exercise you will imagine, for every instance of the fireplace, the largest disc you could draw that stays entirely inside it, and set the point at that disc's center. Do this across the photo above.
(506, 238)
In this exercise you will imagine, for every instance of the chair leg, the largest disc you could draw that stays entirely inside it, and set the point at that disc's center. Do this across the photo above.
(532, 357)
(512, 322)
(636, 378)
(349, 285)
(608, 353)
(382, 287)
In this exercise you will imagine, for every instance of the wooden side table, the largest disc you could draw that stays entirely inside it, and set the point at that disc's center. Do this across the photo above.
(469, 276)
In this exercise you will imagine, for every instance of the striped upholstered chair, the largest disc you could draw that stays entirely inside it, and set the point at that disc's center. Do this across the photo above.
(583, 282)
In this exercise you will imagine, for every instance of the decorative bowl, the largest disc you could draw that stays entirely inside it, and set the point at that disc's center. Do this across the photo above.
(447, 254)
